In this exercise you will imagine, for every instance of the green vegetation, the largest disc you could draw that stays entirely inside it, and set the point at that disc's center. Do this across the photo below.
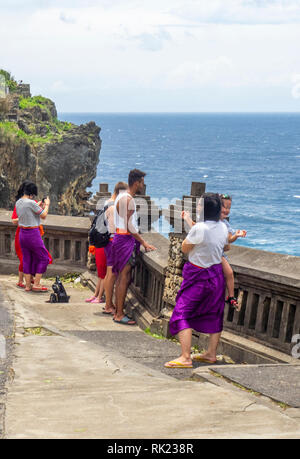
(63, 125)
(27, 103)
(9, 80)
(38, 331)
(66, 278)
(36, 101)
(42, 124)
(10, 130)
(154, 335)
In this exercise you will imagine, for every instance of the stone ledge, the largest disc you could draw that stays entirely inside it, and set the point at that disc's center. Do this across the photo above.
(53, 222)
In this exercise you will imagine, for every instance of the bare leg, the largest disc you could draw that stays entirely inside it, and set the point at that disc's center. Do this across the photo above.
(37, 280)
(185, 339)
(122, 286)
(211, 353)
(27, 281)
(228, 273)
(109, 283)
(101, 288)
(97, 290)
(21, 277)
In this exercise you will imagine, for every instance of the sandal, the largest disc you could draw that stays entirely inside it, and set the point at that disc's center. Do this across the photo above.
(176, 364)
(20, 285)
(42, 289)
(125, 321)
(90, 299)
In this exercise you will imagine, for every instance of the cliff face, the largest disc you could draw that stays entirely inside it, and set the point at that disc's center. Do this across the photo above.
(61, 158)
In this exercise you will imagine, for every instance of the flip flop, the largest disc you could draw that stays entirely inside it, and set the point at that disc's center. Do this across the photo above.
(125, 321)
(112, 312)
(20, 285)
(39, 289)
(90, 299)
(198, 358)
(175, 364)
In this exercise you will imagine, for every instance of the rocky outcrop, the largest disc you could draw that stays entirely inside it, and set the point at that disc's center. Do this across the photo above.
(61, 158)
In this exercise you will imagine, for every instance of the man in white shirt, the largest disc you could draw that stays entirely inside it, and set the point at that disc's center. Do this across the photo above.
(201, 299)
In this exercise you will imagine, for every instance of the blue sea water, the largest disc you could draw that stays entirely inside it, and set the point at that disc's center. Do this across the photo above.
(253, 157)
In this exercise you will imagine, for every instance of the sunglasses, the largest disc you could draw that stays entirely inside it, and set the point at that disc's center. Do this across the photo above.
(225, 196)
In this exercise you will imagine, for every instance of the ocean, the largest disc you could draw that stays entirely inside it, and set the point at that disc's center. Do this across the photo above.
(253, 157)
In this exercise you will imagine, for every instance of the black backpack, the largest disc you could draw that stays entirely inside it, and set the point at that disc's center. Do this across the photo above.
(99, 235)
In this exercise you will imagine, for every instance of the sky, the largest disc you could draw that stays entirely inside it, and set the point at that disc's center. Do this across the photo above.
(156, 55)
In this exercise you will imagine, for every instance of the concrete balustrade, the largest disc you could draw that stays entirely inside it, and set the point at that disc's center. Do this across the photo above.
(65, 238)
(267, 284)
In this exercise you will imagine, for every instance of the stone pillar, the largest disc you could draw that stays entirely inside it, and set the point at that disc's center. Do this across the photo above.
(176, 262)
(187, 203)
(103, 188)
(197, 189)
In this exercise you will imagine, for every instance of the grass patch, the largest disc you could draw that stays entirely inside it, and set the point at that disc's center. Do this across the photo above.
(12, 130)
(66, 278)
(36, 101)
(38, 331)
(154, 335)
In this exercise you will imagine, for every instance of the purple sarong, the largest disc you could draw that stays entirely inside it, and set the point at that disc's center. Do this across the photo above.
(35, 255)
(200, 301)
(124, 249)
(109, 254)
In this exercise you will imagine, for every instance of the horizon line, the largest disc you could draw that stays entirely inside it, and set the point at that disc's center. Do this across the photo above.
(182, 112)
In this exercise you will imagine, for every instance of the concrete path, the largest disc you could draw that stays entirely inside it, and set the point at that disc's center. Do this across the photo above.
(69, 383)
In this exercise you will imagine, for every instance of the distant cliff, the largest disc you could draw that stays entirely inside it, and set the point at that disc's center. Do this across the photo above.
(60, 157)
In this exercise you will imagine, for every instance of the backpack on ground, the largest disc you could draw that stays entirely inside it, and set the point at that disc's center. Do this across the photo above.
(60, 294)
(99, 235)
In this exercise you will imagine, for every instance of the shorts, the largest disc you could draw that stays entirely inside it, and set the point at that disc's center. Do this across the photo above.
(100, 258)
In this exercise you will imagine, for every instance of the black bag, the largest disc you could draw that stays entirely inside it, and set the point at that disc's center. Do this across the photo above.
(99, 235)
(60, 294)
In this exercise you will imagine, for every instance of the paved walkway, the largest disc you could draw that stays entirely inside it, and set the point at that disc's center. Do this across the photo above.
(77, 374)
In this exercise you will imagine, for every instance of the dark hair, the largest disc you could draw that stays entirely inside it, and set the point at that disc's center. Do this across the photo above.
(30, 189)
(135, 176)
(212, 206)
(120, 186)
(20, 191)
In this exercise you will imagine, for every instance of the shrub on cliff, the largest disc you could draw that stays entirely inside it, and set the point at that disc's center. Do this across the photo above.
(9, 80)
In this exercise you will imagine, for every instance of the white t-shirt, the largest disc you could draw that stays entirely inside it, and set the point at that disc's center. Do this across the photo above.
(209, 238)
(28, 212)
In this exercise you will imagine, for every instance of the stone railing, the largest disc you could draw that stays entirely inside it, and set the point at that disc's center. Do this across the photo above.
(267, 284)
(149, 276)
(268, 287)
(65, 238)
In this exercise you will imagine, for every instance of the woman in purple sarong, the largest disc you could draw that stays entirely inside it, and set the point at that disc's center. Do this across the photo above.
(201, 299)
(35, 255)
